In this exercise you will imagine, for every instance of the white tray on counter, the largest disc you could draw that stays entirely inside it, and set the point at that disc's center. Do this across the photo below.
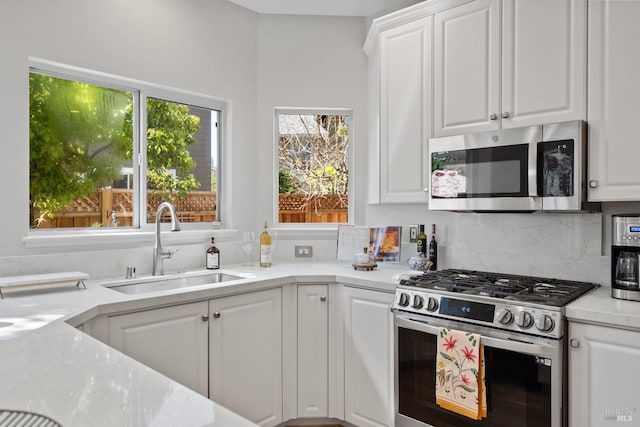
(43, 279)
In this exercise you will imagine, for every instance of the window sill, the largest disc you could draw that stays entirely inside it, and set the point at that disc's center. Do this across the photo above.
(117, 239)
(107, 239)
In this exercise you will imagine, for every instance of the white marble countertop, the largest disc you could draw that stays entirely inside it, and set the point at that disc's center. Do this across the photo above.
(49, 367)
(598, 307)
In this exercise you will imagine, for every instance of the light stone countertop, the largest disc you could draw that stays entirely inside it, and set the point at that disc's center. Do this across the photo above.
(598, 307)
(48, 366)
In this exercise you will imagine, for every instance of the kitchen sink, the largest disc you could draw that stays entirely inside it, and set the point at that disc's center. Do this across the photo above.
(167, 283)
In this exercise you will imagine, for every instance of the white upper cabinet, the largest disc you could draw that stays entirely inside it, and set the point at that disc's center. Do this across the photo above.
(405, 110)
(614, 100)
(528, 69)
(466, 68)
(543, 61)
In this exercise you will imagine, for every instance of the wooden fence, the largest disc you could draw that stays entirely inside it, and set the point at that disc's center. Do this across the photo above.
(332, 208)
(99, 208)
(197, 206)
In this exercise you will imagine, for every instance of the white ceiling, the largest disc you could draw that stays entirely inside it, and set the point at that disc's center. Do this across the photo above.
(325, 7)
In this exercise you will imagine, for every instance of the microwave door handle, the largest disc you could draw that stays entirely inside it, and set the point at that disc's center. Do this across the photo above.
(533, 170)
(516, 346)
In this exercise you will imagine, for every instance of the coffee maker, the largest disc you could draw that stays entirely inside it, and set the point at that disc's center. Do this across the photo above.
(625, 257)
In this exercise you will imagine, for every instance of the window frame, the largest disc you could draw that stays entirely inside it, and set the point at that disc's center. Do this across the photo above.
(141, 90)
(277, 111)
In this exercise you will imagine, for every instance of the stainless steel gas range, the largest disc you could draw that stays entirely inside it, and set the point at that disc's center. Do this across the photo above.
(522, 326)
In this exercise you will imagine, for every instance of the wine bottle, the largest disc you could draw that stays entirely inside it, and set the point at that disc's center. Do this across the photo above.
(265, 247)
(212, 261)
(433, 249)
(422, 241)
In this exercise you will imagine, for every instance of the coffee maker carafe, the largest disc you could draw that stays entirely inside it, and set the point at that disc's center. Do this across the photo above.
(625, 257)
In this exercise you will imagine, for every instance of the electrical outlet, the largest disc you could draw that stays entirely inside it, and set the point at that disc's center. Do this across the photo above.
(304, 251)
(413, 233)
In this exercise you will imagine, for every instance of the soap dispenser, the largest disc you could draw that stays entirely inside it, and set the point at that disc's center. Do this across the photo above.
(213, 256)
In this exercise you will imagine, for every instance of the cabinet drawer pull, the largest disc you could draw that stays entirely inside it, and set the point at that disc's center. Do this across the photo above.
(216, 315)
(593, 184)
(574, 343)
(505, 115)
(493, 117)
(323, 298)
(205, 317)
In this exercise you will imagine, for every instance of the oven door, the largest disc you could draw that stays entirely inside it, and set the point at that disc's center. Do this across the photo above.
(485, 171)
(523, 376)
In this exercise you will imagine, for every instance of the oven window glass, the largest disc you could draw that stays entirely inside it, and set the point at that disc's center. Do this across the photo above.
(518, 386)
(482, 172)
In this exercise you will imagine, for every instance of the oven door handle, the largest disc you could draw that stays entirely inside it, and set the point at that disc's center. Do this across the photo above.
(505, 344)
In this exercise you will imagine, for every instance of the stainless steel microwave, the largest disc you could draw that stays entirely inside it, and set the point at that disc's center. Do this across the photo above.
(534, 168)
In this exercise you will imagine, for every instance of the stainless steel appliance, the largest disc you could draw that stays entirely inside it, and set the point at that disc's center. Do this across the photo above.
(522, 326)
(625, 257)
(522, 169)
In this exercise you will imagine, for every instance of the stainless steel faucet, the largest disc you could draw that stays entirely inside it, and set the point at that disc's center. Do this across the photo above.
(158, 253)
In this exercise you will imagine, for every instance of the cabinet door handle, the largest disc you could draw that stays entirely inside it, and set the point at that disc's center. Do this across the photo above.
(216, 315)
(505, 115)
(323, 298)
(493, 117)
(205, 317)
(574, 343)
(593, 184)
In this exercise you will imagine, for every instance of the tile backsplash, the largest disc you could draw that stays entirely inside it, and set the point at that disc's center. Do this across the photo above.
(565, 246)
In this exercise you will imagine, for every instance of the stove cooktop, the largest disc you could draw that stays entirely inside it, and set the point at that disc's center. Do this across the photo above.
(537, 290)
(518, 304)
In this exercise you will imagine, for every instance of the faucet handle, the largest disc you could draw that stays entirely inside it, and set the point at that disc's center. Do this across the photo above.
(169, 253)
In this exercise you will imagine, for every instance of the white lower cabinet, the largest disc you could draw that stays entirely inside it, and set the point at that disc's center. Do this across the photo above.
(172, 340)
(337, 361)
(368, 357)
(245, 335)
(313, 351)
(603, 378)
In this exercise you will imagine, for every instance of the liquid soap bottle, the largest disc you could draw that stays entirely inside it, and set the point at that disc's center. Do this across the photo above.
(213, 256)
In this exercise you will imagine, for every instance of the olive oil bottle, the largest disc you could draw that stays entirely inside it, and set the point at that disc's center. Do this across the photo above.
(265, 247)
(422, 241)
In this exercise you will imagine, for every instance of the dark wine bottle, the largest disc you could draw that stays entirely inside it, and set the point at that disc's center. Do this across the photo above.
(433, 249)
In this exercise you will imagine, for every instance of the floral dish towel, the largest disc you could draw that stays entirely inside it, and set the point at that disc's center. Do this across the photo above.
(460, 373)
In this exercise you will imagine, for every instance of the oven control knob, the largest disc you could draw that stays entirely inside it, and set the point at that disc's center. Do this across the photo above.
(403, 301)
(544, 323)
(432, 304)
(524, 320)
(418, 301)
(504, 316)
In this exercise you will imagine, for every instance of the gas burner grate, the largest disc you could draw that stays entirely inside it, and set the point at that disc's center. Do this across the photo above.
(551, 292)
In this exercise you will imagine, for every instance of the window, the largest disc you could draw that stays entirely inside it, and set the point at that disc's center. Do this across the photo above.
(313, 166)
(106, 152)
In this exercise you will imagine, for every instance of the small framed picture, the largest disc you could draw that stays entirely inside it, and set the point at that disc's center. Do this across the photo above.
(384, 243)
